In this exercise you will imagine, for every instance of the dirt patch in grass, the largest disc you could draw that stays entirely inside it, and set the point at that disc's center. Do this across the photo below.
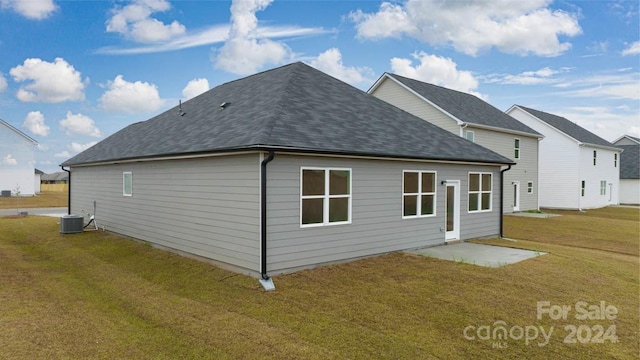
(95, 295)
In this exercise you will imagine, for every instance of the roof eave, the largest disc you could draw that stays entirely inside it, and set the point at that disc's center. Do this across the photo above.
(505, 130)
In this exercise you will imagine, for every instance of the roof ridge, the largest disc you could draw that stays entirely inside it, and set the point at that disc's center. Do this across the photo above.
(263, 137)
(435, 85)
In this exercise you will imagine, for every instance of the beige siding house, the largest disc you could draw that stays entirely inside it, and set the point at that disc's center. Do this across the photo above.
(472, 118)
(288, 169)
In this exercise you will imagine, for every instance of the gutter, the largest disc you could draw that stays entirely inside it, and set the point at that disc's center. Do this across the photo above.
(502, 200)
(265, 280)
(69, 192)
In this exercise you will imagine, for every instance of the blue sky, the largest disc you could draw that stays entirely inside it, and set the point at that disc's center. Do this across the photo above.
(75, 72)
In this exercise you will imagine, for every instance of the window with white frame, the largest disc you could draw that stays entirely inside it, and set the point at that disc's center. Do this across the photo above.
(582, 187)
(127, 183)
(470, 135)
(418, 194)
(530, 187)
(480, 191)
(325, 196)
(603, 187)
(516, 148)
(615, 160)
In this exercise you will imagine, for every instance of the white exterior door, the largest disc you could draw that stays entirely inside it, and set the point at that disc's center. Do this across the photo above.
(516, 196)
(452, 210)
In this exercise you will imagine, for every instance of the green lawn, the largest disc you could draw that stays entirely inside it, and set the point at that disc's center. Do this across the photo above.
(95, 295)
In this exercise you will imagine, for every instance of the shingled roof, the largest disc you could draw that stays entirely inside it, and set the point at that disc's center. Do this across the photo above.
(563, 124)
(464, 107)
(630, 162)
(291, 108)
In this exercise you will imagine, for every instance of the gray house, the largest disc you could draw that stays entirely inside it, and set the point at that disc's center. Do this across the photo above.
(288, 169)
(629, 169)
(474, 119)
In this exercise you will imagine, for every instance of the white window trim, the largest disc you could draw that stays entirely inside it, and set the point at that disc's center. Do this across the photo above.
(124, 176)
(603, 187)
(479, 192)
(420, 193)
(326, 197)
(473, 135)
(519, 148)
(530, 187)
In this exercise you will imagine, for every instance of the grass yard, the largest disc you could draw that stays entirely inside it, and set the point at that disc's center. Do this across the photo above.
(95, 295)
(42, 200)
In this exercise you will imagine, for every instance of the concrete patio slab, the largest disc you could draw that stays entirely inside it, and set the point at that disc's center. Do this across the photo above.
(53, 212)
(535, 215)
(478, 254)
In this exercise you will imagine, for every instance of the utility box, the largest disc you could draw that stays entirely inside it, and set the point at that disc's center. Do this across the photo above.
(71, 224)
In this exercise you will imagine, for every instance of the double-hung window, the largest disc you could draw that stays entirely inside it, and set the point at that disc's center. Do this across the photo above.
(127, 183)
(480, 191)
(582, 188)
(470, 135)
(595, 153)
(516, 148)
(530, 187)
(603, 187)
(325, 196)
(418, 194)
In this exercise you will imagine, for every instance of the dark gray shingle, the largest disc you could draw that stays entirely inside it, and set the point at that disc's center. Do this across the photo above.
(465, 107)
(294, 107)
(563, 124)
(630, 162)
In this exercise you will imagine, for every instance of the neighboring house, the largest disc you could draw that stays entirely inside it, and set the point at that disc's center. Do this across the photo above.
(17, 159)
(37, 179)
(474, 119)
(57, 181)
(578, 169)
(629, 169)
(288, 169)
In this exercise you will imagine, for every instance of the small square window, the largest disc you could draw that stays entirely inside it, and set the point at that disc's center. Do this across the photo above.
(470, 135)
(419, 194)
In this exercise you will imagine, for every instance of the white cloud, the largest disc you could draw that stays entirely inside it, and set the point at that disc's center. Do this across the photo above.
(603, 121)
(135, 22)
(31, 9)
(436, 70)
(74, 148)
(80, 125)
(43, 147)
(245, 52)
(131, 97)
(3, 83)
(330, 62)
(622, 86)
(633, 49)
(194, 88)
(514, 27)
(34, 121)
(50, 82)
(537, 77)
(9, 160)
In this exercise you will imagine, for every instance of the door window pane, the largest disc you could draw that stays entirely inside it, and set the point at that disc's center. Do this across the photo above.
(450, 207)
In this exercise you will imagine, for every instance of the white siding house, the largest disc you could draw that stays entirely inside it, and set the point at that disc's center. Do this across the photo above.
(474, 119)
(294, 170)
(17, 160)
(629, 169)
(578, 169)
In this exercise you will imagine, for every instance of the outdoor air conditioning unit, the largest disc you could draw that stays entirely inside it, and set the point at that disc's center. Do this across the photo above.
(71, 224)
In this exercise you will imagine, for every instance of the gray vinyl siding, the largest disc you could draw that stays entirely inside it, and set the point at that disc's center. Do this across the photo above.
(525, 169)
(396, 95)
(207, 206)
(377, 225)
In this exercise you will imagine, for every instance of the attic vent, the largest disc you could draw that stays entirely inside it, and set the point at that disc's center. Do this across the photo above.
(224, 105)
